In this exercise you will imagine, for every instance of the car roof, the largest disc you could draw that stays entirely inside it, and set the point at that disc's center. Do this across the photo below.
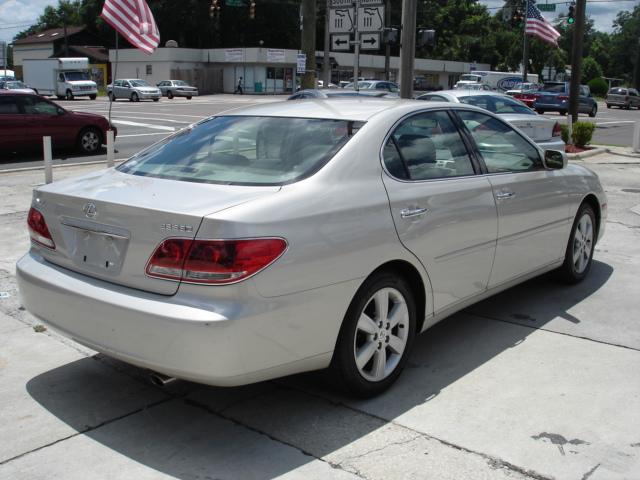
(349, 108)
(468, 93)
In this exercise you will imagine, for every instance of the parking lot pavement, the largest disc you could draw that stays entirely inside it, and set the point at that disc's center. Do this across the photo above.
(539, 382)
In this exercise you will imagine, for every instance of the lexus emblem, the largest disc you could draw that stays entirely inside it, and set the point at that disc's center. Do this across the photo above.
(89, 210)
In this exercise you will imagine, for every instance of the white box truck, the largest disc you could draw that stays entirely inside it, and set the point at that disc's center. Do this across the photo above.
(63, 77)
(500, 81)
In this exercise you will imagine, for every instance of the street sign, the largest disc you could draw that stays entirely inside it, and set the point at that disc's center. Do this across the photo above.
(340, 42)
(371, 19)
(546, 7)
(341, 20)
(370, 41)
(349, 3)
(301, 63)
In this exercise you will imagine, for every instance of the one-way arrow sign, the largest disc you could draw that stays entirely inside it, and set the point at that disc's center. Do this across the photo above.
(370, 41)
(340, 42)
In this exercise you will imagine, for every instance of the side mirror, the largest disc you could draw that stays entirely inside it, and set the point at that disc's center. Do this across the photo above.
(555, 159)
(61, 111)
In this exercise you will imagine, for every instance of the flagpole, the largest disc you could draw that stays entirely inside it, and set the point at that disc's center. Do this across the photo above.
(113, 81)
(525, 43)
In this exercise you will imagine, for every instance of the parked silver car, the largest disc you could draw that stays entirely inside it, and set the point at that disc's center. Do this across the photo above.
(177, 88)
(294, 236)
(544, 131)
(133, 89)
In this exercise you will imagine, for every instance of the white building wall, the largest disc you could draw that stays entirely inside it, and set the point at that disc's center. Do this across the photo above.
(35, 51)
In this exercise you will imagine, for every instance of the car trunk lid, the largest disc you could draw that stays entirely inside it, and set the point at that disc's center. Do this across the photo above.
(107, 225)
(537, 128)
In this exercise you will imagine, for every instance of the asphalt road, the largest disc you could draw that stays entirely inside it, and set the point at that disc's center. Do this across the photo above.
(141, 124)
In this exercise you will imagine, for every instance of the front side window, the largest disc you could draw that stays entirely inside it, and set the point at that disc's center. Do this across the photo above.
(245, 150)
(139, 83)
(501, 147)
(8, 105)
(35, 106)
(427, 146)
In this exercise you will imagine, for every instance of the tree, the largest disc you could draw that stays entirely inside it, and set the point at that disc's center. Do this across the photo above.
(590, 70)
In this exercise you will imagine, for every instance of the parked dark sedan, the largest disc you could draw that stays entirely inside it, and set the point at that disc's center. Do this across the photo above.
(26, 118)
(554, 97)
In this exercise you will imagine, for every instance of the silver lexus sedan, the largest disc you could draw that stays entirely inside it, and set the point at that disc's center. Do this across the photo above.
(296, 236)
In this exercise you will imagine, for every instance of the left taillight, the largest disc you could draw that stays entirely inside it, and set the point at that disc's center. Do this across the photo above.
(38, 229)
(213, 262)
(557, 130)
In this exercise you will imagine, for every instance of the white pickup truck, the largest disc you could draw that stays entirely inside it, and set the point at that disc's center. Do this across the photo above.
(63, 77)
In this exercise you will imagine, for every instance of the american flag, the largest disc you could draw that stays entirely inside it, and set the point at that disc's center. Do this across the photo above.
(134, 21)
(538, 27)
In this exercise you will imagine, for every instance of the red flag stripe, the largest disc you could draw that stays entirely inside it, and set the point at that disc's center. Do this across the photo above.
(133, 20)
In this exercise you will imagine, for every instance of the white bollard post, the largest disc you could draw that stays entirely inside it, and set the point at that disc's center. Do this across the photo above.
(46, 147)
(636, 137)
(110, 149)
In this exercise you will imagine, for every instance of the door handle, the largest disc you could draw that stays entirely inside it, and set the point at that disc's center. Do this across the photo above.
(505, 195)
(412, 212)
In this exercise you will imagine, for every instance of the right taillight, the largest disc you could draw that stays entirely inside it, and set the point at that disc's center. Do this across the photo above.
(213, 262)
(557, 131)
(563, 97)
(38, 229)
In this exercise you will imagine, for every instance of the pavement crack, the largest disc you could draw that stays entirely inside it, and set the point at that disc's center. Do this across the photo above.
(494, 462)
(208, 409)
(532, 327)
(379, 449)
(590, 472)
(89, 429)
(624, 224)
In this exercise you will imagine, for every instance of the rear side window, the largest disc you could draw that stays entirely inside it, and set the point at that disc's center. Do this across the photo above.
(433, 98)
(427, 146)
(497, 104)
(245, 150)
(8, 105)
(501, 147)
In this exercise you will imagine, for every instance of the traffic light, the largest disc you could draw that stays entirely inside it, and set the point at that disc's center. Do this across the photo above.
(517, 19)
(214, 9)
(571, 15)
(252, 9)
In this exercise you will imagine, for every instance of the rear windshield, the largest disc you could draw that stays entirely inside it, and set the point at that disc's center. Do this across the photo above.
(554, 87)
(497, 104)
(244, 150)
(618, 91)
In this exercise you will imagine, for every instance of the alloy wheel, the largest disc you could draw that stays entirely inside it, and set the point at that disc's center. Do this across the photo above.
(90, 141)
(381, 335)
(582, 243)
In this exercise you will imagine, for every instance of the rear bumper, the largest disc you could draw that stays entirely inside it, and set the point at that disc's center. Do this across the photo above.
(551, 107)
(225, 342)
(553, 144)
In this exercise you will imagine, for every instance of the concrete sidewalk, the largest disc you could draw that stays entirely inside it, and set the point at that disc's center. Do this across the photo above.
(539, 382)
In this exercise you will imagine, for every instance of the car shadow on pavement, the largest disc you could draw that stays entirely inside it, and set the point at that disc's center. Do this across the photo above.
(249, 432)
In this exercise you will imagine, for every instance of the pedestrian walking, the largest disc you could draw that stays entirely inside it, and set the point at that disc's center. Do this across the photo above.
(239, 87)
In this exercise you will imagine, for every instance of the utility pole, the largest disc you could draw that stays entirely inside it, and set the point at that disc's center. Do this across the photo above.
(326, 62)
(387, 47)
(356, 43)
(525, 44)
(576, 60)
(308, 8)
(408, 47)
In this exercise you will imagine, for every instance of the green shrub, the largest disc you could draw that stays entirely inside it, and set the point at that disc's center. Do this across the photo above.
(564, 133)
(582, 133)
(598, 86)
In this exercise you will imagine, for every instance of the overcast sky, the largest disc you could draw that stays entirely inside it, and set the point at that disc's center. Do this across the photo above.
(16, 15)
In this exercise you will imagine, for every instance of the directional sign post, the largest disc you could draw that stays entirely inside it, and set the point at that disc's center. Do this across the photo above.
(340, 42)
(370, 41)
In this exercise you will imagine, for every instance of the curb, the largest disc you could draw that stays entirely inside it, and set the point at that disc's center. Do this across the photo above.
(63, 165)
(588, 153)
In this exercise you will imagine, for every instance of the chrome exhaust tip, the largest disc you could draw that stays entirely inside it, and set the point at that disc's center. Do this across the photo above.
(160, 380)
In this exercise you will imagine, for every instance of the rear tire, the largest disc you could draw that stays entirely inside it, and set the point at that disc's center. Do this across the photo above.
(170, 95)
(376, 336)
(579, 253)
(594, 111)
(627, 106)
(135, 97)
(189, 98)
(539, 111)
(111, 96)
(89, 140)
(608, 106)
(156, 99)
(93, 97)
(563, 113)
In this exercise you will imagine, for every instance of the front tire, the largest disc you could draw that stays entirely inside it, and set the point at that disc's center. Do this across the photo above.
(170, 95)
(579, 252)
(593, 111)
(69, 95)
(111, 96)
(89, 140)
(376, 336)
(562, 112)
(539, 111)
(135, 97)
(93, 97)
